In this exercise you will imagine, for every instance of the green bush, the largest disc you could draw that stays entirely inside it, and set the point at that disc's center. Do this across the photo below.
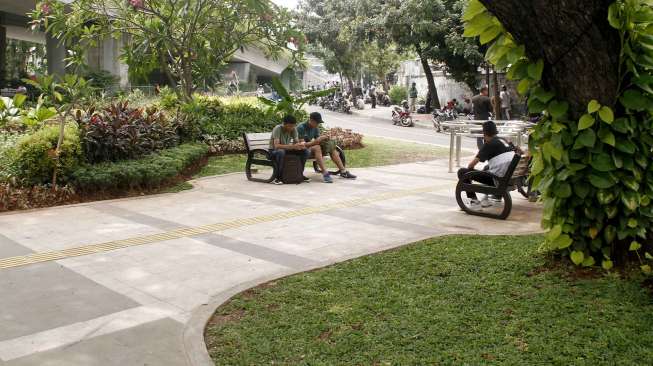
(228, 121)
(31, 159)
(397, 94)
(147, 172)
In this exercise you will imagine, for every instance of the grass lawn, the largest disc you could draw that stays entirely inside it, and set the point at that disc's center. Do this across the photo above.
(377, 152)
(459, 300)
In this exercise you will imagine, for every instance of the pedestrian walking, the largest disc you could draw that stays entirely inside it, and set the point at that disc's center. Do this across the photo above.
(482, 108)
(506, 102)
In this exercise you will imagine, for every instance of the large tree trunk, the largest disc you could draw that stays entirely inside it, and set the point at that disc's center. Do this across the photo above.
(579, 48)
(432, 99)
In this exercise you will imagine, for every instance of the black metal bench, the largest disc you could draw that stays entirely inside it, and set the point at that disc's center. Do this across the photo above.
(258, 153)
(516, 178)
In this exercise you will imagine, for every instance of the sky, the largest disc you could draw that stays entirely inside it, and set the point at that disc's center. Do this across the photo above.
(287, 3)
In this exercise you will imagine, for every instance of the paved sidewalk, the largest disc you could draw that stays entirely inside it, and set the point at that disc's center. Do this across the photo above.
(130, 282)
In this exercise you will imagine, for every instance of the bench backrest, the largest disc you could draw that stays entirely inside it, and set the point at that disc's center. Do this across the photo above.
(257, 141)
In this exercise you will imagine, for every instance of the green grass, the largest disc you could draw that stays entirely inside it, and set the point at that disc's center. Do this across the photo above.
(377, 152)
(459, 300)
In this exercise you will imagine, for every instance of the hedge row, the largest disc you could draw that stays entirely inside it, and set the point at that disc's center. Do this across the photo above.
(148, 172)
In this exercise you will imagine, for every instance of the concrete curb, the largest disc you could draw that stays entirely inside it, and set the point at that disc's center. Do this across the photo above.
(193, 334)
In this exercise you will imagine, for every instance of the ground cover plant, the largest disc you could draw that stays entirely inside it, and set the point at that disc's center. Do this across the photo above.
(452, 300)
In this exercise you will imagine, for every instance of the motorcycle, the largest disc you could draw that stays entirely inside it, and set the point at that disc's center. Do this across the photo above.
(444, 115)
(401, 115)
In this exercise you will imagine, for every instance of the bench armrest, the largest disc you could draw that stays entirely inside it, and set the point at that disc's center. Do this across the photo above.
(473, 174)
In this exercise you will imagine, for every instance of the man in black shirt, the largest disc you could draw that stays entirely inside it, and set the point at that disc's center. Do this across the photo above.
(497, 152)
(482, 106)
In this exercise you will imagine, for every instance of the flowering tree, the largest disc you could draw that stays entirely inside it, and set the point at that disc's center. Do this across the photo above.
(187, 40)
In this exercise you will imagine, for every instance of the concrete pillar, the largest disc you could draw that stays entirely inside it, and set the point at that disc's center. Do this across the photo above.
(3, 55)
(56, 55)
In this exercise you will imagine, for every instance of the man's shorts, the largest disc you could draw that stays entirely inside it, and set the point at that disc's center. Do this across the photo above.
(327, 147)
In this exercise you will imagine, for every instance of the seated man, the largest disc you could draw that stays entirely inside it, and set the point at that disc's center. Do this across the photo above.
(284, 141)
(497, 152)
(320, 146)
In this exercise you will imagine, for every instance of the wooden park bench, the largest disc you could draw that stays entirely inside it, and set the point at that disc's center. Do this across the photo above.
(516, 178)
(258, 153)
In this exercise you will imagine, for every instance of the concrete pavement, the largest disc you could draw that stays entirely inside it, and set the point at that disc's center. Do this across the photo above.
(131, 282)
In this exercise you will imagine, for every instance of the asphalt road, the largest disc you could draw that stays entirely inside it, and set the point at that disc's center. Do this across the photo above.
(378, 122)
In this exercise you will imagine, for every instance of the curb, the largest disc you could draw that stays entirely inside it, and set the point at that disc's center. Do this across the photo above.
(193, 333)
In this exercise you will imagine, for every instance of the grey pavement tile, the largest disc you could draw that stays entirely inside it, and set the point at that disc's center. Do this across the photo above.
(137, 217)
(43, 296)
(372, 215)
(11, 248)
(152, 344)
(256, 251)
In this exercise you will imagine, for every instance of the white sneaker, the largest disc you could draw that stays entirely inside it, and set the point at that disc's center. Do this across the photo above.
(474, 204)
(486, 203)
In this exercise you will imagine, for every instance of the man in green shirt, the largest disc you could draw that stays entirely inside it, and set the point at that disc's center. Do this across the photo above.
(412, 94)
(320, 146)
(284, 141)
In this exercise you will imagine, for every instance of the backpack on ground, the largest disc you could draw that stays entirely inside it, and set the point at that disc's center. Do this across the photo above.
(292, 169)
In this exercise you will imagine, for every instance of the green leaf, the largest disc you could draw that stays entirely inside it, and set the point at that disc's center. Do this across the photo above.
(523, 86)
(558, 109)
(587, 138)
(586, 121)
(646, 268)
(588, 262)
(607, 137)
(635, 100)
(542, 95)
(603, 162)
(613, 15)
(593, 106)
(535, 70)
(600, 181)
(554, 233)
(634, 246)
(563, 190)
(490, 34)
(648, 255)
(473, 9)
(577, 257)
(561, 242)
(606, 114)
(626, 146)
(607, 264)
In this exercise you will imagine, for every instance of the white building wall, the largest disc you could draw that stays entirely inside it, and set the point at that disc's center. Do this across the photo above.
(411, 71)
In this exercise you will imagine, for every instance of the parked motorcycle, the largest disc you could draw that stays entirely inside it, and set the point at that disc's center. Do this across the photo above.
(443, 115)
(401, 115)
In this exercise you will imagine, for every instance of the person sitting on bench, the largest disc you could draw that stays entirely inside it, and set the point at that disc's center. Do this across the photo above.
(497, 153)
(284, 141)
(321, 146)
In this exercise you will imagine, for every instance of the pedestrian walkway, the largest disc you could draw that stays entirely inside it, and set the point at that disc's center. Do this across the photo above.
(130, 282)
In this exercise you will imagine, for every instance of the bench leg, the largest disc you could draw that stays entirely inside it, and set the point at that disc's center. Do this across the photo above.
(505, 197)
(248, 173)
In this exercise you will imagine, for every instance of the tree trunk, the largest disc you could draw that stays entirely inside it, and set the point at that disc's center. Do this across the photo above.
(432, 100)
(579, 48)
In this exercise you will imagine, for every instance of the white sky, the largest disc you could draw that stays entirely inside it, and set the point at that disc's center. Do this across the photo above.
(287, 3)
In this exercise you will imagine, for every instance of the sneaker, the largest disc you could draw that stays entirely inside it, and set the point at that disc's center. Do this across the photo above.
(346, 174)
(474, 204)
(306, 179)
(328, 179)
(277, 182)
(486, 203)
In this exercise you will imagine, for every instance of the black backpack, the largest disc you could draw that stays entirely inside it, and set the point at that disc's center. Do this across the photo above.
(292, 170)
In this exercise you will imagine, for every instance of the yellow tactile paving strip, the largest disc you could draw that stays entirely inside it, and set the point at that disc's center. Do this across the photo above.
(83, 250)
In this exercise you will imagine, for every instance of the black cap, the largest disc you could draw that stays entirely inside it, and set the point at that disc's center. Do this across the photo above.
(315, 116)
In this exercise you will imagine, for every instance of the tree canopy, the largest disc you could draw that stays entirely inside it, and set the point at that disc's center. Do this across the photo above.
(187, 40)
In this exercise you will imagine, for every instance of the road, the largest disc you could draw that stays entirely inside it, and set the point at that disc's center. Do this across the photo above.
(378, 122)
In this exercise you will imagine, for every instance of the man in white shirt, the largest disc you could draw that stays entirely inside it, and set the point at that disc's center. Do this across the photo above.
(506, 102)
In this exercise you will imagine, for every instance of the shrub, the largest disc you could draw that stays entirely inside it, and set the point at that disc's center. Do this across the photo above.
(147, 172)
(228, 121)
(168, 99)
(397, 94)
(119, 132)
(32, 158)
